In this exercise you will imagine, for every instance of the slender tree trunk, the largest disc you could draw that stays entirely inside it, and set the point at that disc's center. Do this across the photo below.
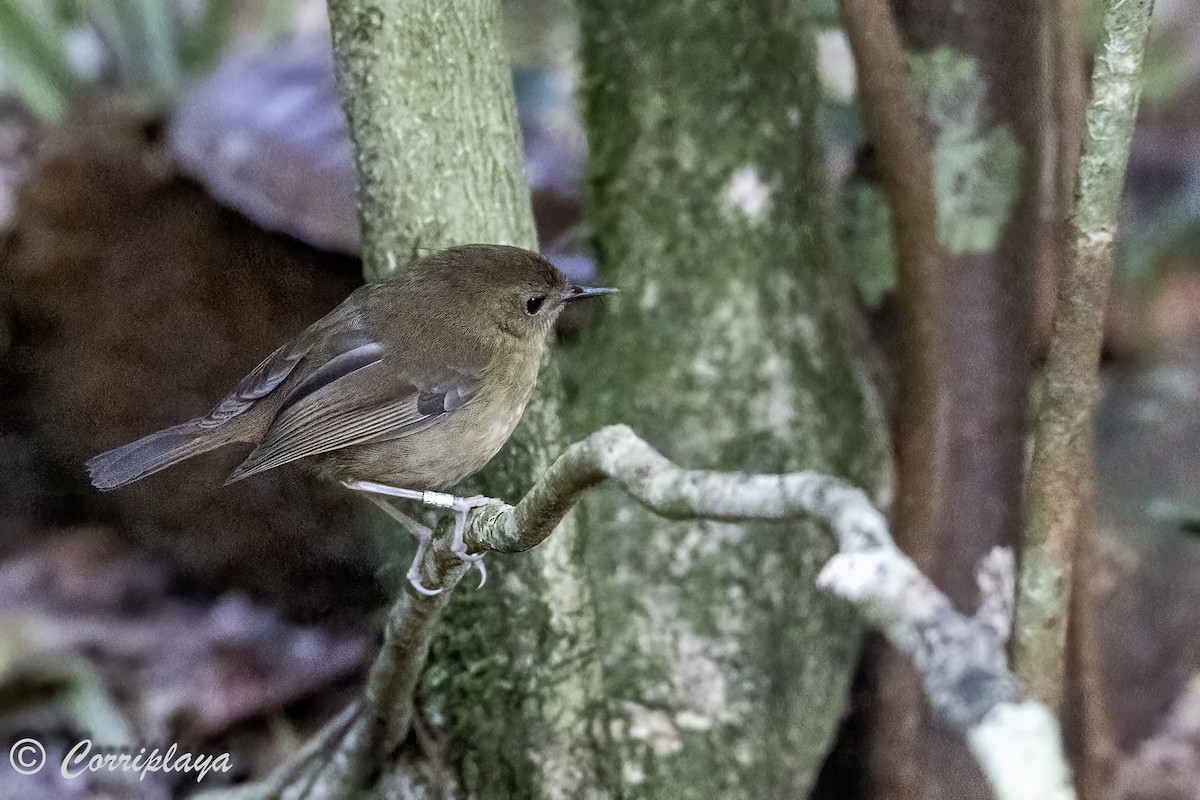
(977, 72)
(733, 345)
(1057, 643)
(511, 689)
(428, 94)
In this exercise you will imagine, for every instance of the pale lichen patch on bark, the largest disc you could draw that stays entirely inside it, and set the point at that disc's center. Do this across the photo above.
(835, 65)
(779, 406)
(697, 690)
(976, 171)
(698, 541)
(749, 193)
(738, 349)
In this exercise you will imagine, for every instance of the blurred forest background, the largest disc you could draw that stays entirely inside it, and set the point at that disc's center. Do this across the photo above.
(177, 197)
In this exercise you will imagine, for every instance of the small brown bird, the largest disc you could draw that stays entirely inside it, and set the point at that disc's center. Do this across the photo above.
(405, 389)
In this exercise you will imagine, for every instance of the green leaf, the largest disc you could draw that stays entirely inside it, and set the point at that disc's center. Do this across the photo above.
(33, 57)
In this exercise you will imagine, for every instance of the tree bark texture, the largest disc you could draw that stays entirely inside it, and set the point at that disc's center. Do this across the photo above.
(734, 344)
(428, 95)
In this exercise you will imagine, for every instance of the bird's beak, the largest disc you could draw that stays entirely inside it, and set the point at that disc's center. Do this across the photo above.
(577, 292)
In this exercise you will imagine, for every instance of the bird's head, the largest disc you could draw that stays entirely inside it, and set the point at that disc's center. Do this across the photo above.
(516, 290)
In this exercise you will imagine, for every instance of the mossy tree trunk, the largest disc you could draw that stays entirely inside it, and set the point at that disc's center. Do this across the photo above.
(510, 690)
(733, 345)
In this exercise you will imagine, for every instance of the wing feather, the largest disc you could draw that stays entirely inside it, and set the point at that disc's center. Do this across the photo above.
(262, 380)
(340, 366)
(341, 413)
(335, 339)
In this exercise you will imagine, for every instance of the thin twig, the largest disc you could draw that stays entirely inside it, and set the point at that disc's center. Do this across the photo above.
(962, 664)
(1058, 477)
(616, 453)
(906, 172)
(317, 747)
(920, 426)
(961, 659)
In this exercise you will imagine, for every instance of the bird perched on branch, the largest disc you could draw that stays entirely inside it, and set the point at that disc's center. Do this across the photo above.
(407, 388)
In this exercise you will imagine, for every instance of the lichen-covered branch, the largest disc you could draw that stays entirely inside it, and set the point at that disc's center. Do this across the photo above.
(337, 762)
(616, 453)
(1059, 474)
(961, 659)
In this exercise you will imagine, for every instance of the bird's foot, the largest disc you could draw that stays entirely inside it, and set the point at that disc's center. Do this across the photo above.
(460, 506)
(414, 569)
(424, 536)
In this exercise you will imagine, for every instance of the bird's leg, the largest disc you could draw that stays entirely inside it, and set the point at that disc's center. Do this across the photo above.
(459, 506)
(423, 535)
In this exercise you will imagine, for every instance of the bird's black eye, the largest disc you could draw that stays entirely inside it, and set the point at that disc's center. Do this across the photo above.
(534, 304)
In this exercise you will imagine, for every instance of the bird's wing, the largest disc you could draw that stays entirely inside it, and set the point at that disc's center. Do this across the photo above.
(340, 332)
(261, 381)
(353, 399)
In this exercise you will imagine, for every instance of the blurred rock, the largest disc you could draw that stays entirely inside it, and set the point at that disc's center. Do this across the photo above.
(265, 134)
(137, 302)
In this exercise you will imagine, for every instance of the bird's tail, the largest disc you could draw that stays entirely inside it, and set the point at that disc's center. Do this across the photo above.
(152, 453)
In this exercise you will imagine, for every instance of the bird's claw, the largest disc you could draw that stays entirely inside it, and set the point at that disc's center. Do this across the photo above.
(424, 538)
(474, 559)
(458, 545)
(414, 580)
(460, 506)
(479, 565)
